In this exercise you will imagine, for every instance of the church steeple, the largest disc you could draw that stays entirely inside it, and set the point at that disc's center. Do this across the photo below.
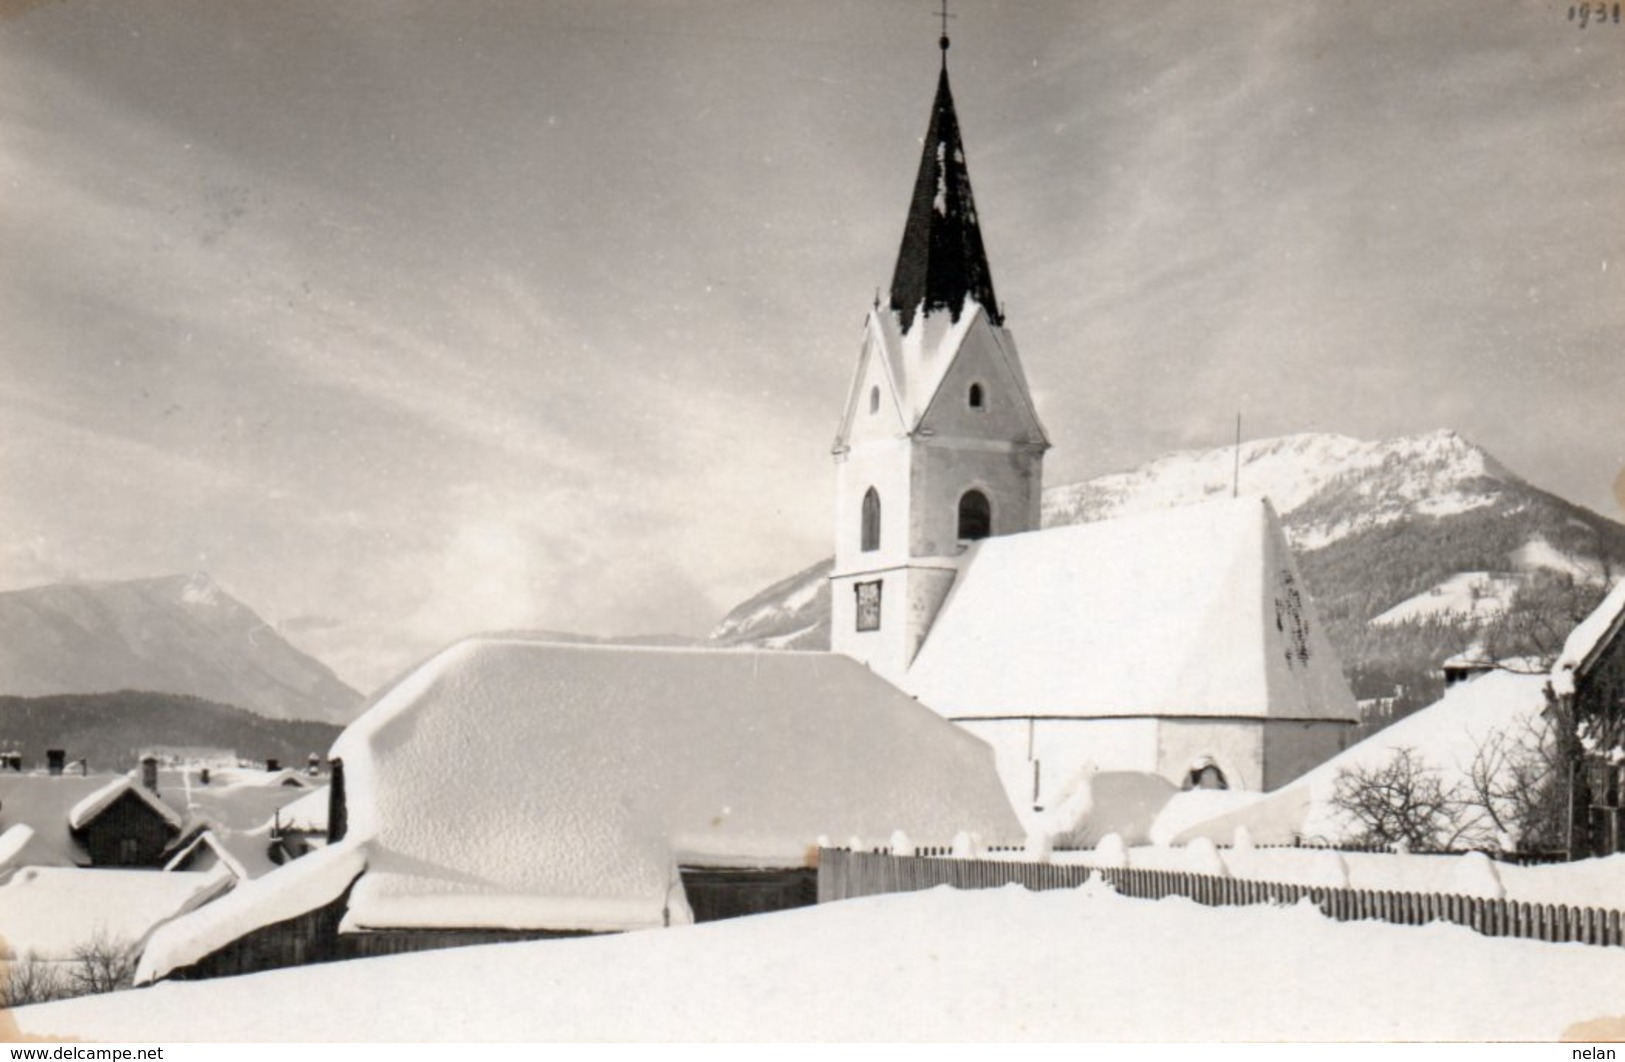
(939, 443)
(942, 262)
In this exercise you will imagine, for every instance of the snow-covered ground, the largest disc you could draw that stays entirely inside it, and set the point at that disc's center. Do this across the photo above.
(940, 965)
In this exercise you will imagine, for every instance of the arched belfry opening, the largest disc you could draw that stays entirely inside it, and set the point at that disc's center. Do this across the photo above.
(975, 516)
(975, 399)
(871, 520)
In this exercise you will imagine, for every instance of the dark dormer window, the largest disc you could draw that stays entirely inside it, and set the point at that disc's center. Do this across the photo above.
(975, 516)
(976, 396)
(874, 400)
(871, 520)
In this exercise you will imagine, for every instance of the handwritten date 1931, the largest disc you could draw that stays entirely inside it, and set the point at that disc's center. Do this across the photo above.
(1588, 15)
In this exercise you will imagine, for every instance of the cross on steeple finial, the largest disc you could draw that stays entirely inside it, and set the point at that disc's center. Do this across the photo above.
(943, 40)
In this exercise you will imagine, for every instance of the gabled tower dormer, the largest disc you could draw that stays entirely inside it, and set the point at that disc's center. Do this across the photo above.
(939, 444)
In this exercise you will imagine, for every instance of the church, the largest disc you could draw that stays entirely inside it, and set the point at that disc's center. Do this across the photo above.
(1181, 644)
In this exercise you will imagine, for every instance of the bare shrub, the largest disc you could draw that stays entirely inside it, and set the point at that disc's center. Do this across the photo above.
(30, 980)
(1402, 803)
(102, 964)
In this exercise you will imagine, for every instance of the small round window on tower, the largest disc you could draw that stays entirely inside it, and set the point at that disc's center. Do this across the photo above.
(976, 396)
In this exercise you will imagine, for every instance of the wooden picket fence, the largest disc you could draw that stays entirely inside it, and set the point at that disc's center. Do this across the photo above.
(844, 875)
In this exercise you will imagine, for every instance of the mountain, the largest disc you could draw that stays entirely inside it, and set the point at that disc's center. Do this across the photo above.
(110, 730)
(1427, 535)
(178, 634)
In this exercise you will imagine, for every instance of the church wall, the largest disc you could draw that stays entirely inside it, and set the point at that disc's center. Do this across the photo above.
(1004, 413)
(1292, 749)
(1236, 746)
(944, 470)
(909, 600)
(883, 465)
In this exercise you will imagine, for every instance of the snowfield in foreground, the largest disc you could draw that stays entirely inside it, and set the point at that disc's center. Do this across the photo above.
(1006, 964)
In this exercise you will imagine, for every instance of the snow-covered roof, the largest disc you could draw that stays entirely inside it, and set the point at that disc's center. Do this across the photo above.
(43, 802)
(524, 784)
(246, 854)
(86, 811)
(530, 785)
(308, 813)
(1197, 611)
(1445, 736)
(288, 892)
(50, 911)
(13, 840)
(1594, 632)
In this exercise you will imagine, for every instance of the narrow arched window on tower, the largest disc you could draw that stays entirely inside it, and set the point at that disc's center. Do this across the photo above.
(976, 396)
(874, 400)
(975, 516)
(871, 520)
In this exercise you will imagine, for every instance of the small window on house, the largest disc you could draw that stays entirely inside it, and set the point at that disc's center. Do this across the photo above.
(129, 851)
(975, 516)
(874, 400)
(871, 520)
(976, 396)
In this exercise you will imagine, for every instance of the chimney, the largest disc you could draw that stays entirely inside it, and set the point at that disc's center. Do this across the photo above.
(273, 765)
(149, 773)
(338, 811)
(55, 760)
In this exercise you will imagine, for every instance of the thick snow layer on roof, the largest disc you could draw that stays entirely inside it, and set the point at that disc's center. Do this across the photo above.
(1593, 632)
(943, 965)
(86, 810)
(246, 854)
(50, 911)
(308, 813)
(548, 786)
(1197, 611)
(12, 842)
(290, 891)
(1446, 736)
(43, 802)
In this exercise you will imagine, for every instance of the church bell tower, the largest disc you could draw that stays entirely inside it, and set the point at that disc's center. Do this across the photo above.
(939, 444)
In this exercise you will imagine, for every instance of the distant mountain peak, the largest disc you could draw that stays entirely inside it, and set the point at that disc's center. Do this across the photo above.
(177, 634)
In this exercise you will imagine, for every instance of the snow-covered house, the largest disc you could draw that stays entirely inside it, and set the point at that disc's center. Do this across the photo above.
(1183, 644)
(1589, 681)
(512, 789)
(52, 913)
(125, 824)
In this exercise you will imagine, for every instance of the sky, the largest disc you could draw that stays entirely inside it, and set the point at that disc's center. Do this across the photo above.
(410, 319)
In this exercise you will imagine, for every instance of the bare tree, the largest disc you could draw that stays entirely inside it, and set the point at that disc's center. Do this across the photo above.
(1530, 636)
(1401, 803)
(1518, 786)
(30, 980)
(102, 964)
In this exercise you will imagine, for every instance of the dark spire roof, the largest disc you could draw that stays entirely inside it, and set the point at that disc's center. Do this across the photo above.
(942, 262)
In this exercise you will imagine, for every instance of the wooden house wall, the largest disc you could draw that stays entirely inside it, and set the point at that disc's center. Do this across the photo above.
(127, 818)
(715, 894)
(314, 937)
(1599, 704)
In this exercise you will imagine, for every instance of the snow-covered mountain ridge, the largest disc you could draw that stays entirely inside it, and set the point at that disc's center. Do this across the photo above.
(178, 634)
(1325, 487)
